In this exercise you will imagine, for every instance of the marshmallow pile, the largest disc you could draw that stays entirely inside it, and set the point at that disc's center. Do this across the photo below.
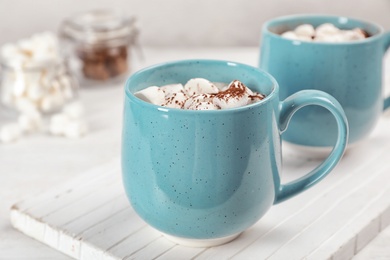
(34, 76)
(200, 94)
(326, 32)
(35, 82)
(70, 123)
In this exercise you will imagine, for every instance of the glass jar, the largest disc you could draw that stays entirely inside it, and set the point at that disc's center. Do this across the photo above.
(98, 43)
(43, 87)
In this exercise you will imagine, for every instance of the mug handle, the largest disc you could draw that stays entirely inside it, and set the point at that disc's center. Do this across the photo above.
(287, 108)
(386, 46)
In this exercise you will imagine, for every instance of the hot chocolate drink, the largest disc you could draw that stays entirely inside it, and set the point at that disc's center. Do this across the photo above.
(326, 32)
(200, 94)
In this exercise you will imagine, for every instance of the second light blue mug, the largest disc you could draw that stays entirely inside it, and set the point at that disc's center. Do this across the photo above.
(203, 177)
(349, 71)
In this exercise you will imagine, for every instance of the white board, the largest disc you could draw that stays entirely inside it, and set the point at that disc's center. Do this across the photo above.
(90, 217)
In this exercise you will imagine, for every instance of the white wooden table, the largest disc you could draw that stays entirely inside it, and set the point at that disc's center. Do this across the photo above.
(38, 163)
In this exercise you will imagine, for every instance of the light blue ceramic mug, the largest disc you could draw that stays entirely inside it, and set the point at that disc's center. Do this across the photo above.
(350, 71)
(203, 177)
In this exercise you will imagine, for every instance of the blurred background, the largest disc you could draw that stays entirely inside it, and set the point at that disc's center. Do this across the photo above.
(183, 23)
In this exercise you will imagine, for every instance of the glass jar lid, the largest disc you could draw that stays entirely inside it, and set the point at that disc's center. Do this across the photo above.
(99, 27)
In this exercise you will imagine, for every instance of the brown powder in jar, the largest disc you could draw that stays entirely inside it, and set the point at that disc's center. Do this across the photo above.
(104, 63)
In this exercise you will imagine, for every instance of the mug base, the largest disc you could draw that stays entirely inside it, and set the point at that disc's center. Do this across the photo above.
(200, 242)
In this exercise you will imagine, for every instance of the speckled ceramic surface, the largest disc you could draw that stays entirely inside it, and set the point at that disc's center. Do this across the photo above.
(211, 174)
(351, 72)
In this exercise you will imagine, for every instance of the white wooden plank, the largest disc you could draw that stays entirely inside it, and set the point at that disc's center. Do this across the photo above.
(353, 228)
(385, 218)
(134, 242)
(152, 250)
(71, 212)
(283, 212)
(114, 229)
(367, 234)
(378, 249)
(181, 252)
(345, 251)
(94, 217)
(293, 226)
(95, 199)
(338, 216)
(70, 196)
(333, 218)
(78, 182)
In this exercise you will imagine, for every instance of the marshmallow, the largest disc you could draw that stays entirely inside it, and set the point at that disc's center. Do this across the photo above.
(209, 97)
(75, 129)
(152, 95)
(203, 106)
(172, 89)
(326, 32)
(193, 101)
(9, 51)
(330, 38)
(74, 110)
(10, 133)
(327, 29)
(176, 100)
(19, 85)
(52, 102)
(353, 35)
(221, 85)
(305, 30)
(235, 96)
(35, 92)
(199, 86)
(25, 105)
(58, 123)
(30, 122)
(290, 35)
(30, 73)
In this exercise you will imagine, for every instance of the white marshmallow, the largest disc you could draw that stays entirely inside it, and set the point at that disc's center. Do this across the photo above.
(19, 85)
(45, 88)
(326, 32)
(210, 97)
(35, 92)
(66, 86)
(192, 101)
(235, 96)
(75, 129)
(330, 38)
(225, 103)
(327, 29)
(305, 30)
(221, 85)
(58, 123)
(9, 50)
(203, 106)
(10, 133)
(354, 35)
(176, 100)
(52, 102)
(290, 35)
(74, 110)
(305, 38)
(171, 89)
(30, 122)
(25, 105)
(152, 95)
(198, 86)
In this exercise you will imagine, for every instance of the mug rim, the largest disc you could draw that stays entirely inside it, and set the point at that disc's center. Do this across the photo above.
(287, 18)
(273, 94)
